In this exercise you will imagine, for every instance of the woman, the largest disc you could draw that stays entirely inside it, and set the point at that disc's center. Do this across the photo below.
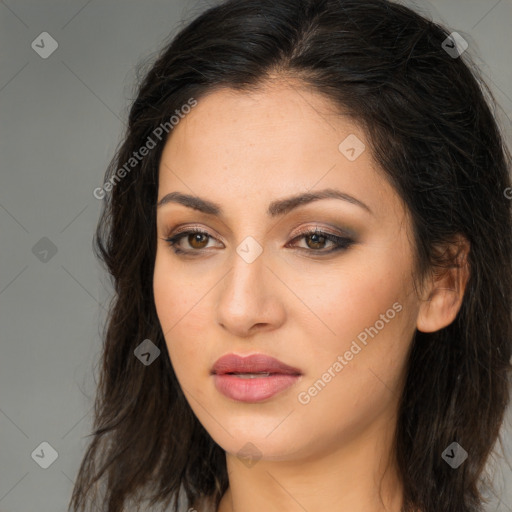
(310, 240)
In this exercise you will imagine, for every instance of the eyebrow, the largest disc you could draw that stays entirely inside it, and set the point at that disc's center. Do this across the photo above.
(275, 209)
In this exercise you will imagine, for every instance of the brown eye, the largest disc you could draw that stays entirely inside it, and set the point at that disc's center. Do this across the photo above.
(194, 239)
(317, 241)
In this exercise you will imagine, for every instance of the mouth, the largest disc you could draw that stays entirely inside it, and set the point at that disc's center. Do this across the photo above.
(254, 378)
(251, 375)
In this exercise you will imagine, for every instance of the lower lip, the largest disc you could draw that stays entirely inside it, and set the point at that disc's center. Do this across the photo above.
(253, 389)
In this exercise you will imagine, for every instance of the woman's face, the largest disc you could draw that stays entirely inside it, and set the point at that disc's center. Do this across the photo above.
(255, 282)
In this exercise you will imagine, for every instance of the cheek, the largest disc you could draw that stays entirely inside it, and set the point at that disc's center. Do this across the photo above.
(175, 291)
(169, 294)
(369, 311)
(350, 393)
(353, 299)
(166, 290)
(178, 303)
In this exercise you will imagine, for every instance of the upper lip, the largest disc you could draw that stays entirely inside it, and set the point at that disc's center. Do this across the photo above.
(254, 363)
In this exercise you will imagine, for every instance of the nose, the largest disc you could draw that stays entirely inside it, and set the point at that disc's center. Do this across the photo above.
(250, 298)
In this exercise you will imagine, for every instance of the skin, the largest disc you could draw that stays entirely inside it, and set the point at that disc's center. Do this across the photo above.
(243, 151)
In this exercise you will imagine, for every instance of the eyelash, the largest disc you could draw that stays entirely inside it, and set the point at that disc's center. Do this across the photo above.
(342, 243)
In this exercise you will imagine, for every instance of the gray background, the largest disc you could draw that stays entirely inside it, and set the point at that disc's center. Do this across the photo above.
(62, 118)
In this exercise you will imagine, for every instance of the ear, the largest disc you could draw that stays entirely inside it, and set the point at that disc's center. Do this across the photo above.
(445, 288)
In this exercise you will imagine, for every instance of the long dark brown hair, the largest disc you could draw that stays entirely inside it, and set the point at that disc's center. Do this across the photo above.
(431, 123)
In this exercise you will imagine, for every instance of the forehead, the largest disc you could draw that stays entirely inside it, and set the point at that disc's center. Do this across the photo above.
(230, 121)
(282, 140)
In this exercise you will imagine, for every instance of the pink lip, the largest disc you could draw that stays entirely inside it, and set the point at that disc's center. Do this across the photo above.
(255, 363)
(252, 389)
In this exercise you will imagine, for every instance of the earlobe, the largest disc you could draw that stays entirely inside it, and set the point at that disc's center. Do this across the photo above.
(445, 291)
